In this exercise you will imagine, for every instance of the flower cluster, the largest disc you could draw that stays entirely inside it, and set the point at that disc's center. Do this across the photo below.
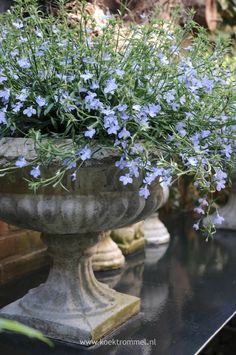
(169, 108)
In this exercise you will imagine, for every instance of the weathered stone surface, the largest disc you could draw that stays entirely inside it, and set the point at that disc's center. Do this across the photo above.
(106, 254)
(72, 305)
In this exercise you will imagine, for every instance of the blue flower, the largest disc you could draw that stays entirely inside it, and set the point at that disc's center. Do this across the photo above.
(3, 117)
(111, 124)
(196, 226)
(85, 153)
(119, 72)
(126, 179)
(220, 179)
(121, 107)
(69, 163)
(86, 76)
(199, 210)
(90, 133)
(94, 85)
(17, 107)
(227, 150)
(124, 134)
(18, 24)
(73, 176)
(21, 162)
(111, 86)
(144, 192)
(29, 111)
(218, 219)
(23, 63)
(41, 101)
(152, 110)
(35, 172)
(180, 126)
(2, 79)
(23, 95)
(5, 95)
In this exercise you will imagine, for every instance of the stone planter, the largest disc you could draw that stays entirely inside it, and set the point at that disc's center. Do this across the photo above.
(129, 239)
(72, 305)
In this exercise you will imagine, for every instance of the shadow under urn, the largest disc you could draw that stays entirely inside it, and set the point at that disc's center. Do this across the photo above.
(72, 305)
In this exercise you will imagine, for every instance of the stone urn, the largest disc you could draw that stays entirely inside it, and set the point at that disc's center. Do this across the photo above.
(72, 305)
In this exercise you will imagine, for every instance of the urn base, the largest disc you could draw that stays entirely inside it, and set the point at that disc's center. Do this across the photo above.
(84, 329)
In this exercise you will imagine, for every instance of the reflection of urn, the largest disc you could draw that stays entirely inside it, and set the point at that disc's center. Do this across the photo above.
(72, 305)
(129, 239)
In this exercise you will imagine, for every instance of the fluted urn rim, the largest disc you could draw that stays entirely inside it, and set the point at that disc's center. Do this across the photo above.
(97, 201)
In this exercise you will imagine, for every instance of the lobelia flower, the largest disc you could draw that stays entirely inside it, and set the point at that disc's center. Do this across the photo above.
(126, 179)
(21, 162)
(218, 219)
(144, 192)
(18, 24)
(124, 134)
(196, 226)
(73, 176)
(23, 95)
(85, 153)
(41, 101)
(35, 172)
(24, 63)
(119, 72)
(111, 86)
(29, 111)
(86, 76)
(5, 94)
(199, 210)
(69, 163)
(2, 78)
(220, 179)
(17, 107)
(90, 133)
(3, 117)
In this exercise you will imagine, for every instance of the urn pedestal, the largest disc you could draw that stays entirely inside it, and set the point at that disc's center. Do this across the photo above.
(107, 255)
(155, 231)
(72, 305)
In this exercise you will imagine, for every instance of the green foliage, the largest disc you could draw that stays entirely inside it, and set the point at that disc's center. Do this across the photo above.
(164, 99)
(17, 327)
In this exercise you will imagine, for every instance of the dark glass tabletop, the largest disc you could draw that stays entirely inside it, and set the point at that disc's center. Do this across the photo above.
(187, 288)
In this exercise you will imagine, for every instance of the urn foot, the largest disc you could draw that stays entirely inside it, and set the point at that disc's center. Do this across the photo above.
(84, 329)
(155, 231)
(72, 305)
(107, 255)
